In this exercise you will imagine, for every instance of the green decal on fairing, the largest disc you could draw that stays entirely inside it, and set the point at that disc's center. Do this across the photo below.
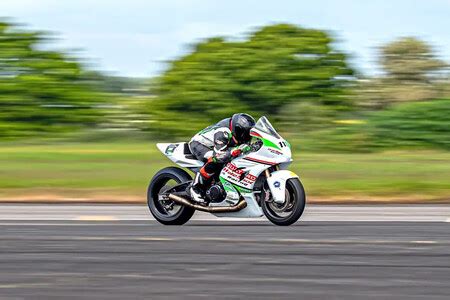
(227, 185)
(270, 144)
(242, 190)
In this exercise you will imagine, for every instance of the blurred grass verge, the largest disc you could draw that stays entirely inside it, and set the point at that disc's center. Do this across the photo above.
(119, 173)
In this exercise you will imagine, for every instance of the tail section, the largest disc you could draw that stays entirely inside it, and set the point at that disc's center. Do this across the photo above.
(163, 146)
(180, 154)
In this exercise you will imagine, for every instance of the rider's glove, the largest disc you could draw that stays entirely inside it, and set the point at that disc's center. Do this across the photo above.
(242, 149)
(245, 148)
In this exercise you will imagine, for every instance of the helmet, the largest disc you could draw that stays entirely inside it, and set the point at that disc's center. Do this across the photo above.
(240, 126)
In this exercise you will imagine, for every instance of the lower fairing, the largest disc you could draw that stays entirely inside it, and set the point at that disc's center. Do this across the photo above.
(253, 210)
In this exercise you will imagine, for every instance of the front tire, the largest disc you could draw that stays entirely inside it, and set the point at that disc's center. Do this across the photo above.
(160, 210)
(294, 206)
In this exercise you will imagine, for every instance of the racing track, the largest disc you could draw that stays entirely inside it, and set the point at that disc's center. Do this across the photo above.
(115, 252)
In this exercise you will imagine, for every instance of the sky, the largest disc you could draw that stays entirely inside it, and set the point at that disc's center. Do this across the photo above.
(138, 37)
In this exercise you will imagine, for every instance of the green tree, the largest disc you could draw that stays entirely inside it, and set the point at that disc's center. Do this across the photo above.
(412, 71)
(410, 59)
(273, 67)
(41, 90)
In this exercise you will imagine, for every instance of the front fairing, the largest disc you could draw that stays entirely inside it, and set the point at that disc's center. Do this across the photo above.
(274, 148)
(243, 171)
(241, 174)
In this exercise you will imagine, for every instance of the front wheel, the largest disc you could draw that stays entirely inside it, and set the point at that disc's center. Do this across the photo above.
(290, 211)
(168, 212)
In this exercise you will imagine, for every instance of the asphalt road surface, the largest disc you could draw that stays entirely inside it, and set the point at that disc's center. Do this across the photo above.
(119, 252)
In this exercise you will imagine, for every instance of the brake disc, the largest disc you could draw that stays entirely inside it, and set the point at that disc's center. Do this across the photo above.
(282, 207)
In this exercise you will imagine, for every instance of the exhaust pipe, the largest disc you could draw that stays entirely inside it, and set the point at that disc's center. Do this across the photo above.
(212, 209)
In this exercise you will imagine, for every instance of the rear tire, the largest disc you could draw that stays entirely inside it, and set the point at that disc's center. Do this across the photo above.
(157, 209)
(298, 198)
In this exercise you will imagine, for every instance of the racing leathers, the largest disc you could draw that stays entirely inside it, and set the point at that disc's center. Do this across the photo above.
(216, 146)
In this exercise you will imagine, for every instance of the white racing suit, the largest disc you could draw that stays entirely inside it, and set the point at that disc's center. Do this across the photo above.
(214, 145)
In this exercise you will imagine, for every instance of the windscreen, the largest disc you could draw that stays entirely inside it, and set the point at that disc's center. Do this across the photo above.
(264, 125)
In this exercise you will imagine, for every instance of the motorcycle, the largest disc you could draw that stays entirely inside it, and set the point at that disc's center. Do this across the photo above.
(252, 185)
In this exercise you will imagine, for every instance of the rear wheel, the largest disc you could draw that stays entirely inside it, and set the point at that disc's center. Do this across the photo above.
(168, 212)
(290, 211)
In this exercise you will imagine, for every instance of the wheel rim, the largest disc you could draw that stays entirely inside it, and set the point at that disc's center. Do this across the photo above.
(286, 209)
(165, 209)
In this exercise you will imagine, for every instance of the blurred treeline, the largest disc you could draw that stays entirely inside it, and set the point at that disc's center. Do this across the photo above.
(296, 76)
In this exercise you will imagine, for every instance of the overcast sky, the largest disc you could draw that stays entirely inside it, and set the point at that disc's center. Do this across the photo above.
(135, 37)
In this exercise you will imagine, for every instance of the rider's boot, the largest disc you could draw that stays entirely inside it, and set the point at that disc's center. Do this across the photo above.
(197, 189)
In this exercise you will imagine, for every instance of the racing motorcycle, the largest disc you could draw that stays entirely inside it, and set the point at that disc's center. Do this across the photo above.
(252, 185)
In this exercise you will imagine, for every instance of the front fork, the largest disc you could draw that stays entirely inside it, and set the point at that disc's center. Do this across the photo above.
(277, 183)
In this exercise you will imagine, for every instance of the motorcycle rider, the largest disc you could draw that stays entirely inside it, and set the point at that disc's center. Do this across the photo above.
(216, 145)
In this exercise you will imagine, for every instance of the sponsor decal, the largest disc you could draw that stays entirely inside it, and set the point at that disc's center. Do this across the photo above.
(235, 174)
(277, 184)
(274, 151)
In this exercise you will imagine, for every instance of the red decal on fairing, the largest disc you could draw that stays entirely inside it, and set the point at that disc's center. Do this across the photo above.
(255, 134)
(260, 161)
(235, 173)
(274, 151)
